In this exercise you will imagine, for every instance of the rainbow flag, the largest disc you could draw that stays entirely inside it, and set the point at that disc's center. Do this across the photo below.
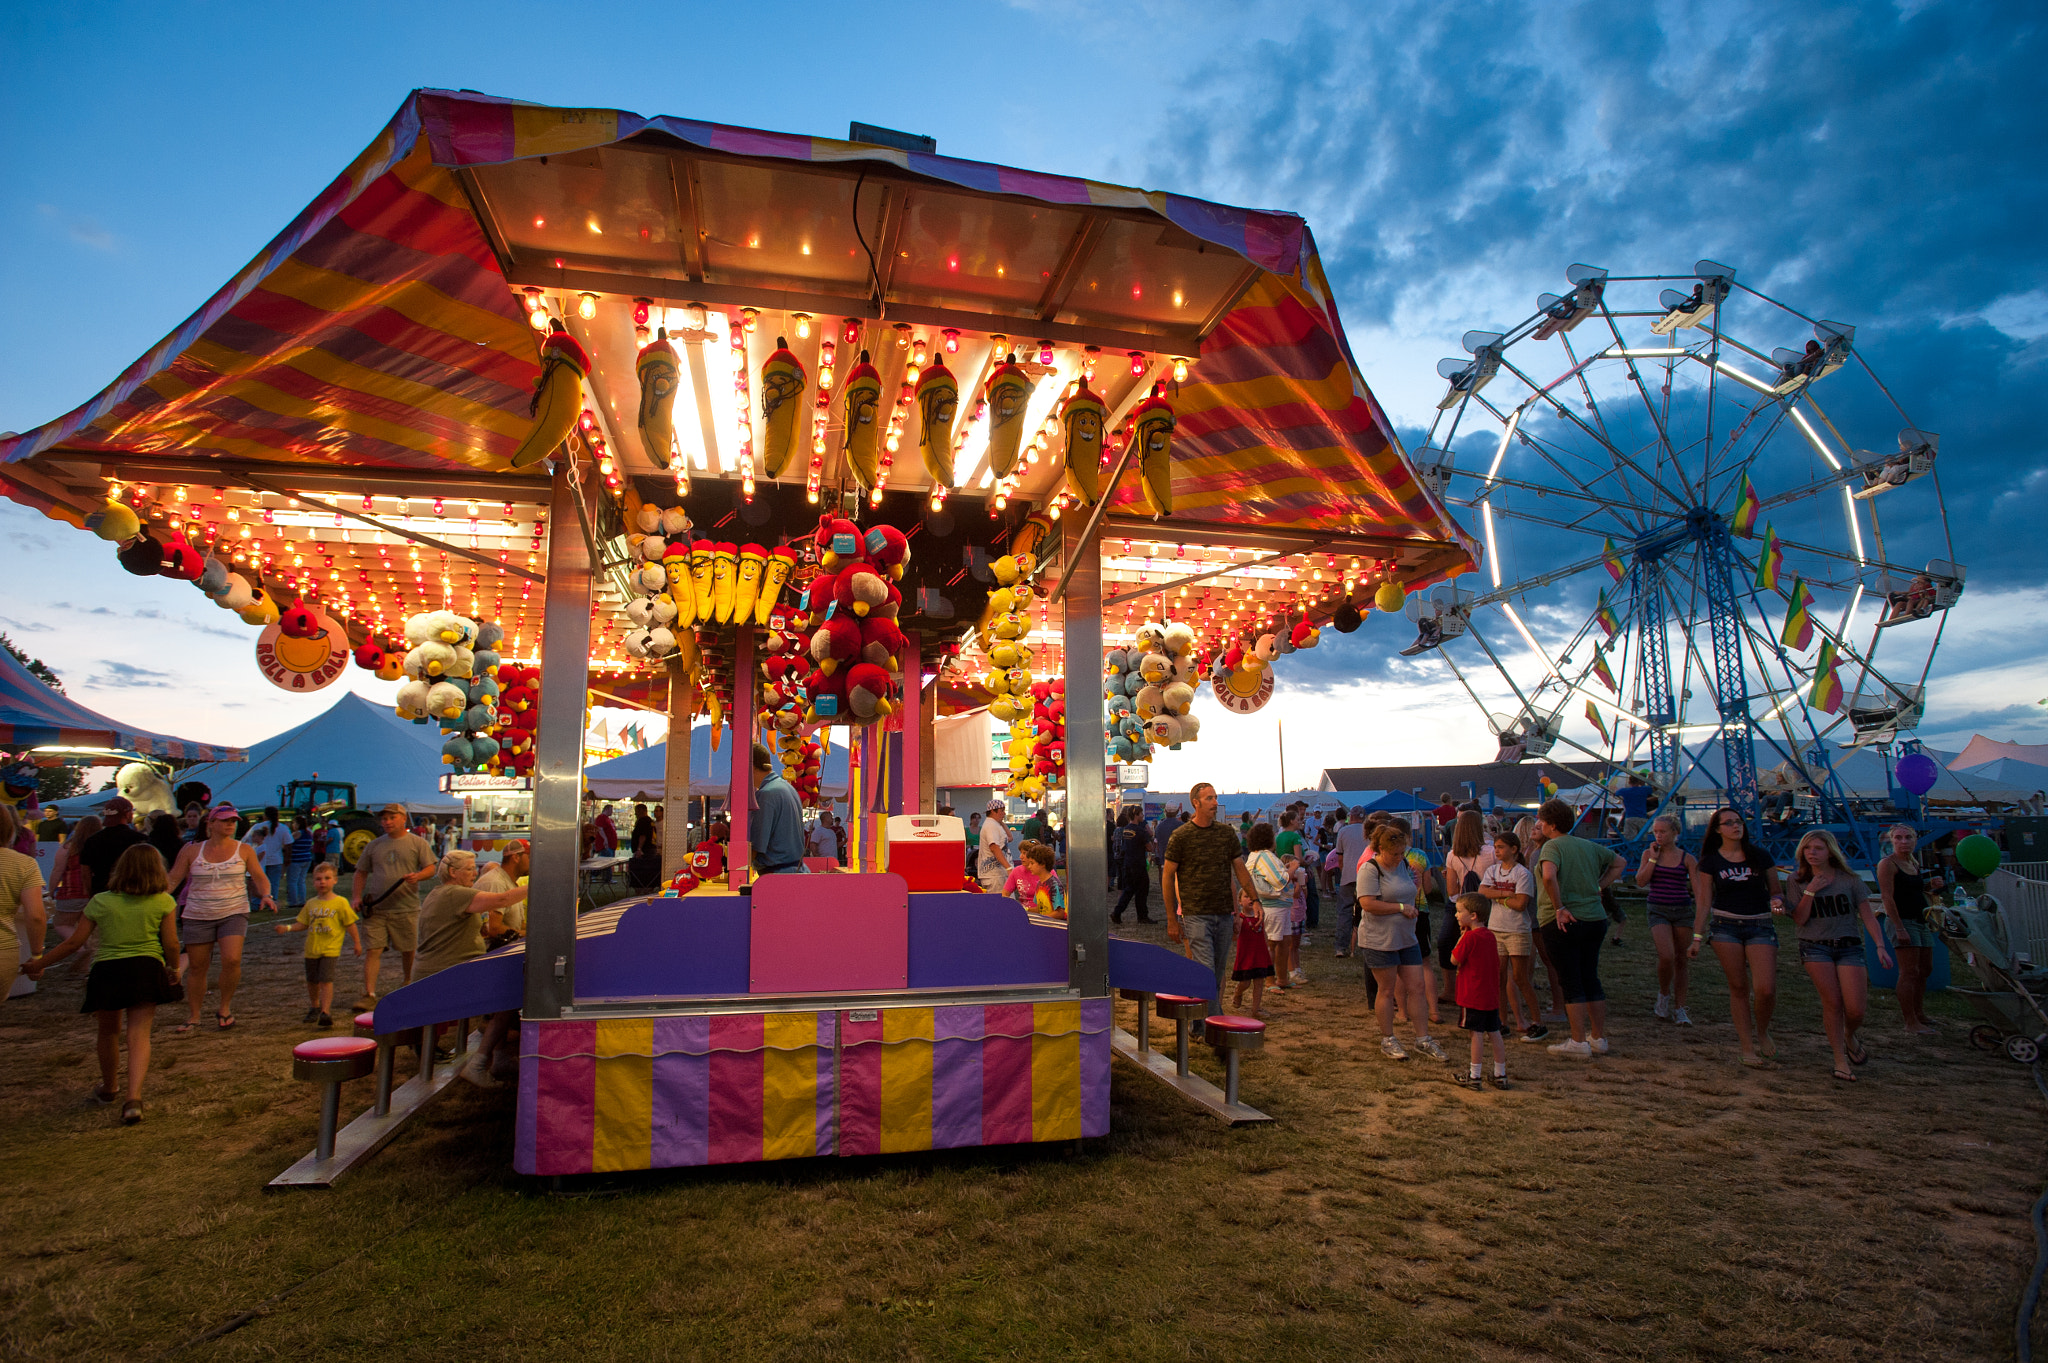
(1770, 562)
(1606, 617)
(1747, 505)
(1798, 631)
(1601, 671)
(1611, 557)
(1826, 694)
(1593, 716)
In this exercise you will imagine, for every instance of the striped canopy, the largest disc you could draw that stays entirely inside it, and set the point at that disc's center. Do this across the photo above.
(384, 327)
(34, 716)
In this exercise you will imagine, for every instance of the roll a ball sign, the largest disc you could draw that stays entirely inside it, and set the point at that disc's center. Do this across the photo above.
(301, 665)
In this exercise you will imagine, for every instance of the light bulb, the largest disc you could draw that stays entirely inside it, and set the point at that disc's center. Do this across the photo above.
(1045, 352)
(803, 326)
(1180, 371)
(952, 341)
(586, 306)
(1137, 362)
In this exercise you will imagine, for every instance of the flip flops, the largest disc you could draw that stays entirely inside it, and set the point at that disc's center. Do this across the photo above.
(181, 1029)
(1846, 1076)
(1859, 1056)
(223, 1021)
(131, 1112)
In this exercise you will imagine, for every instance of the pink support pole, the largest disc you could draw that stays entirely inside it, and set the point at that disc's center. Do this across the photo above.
(740, 795)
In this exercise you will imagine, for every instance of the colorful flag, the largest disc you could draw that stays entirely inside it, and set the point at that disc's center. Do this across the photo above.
(1747, 505)
(1606, 617)
(1611, 556)
(1798, 631)
(1770, 561)
(1600, 670)
(1826, 694)
(1593, 714)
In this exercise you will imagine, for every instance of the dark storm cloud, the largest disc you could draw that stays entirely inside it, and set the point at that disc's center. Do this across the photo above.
(1872, 164)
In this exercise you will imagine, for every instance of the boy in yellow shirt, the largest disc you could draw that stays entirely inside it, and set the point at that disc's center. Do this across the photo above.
(323, 919)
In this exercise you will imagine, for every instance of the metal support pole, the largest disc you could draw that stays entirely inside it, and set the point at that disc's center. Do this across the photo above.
(558, 765)
(913, 736)
(1731, 688)
(1653, 654)
(740, 789)
(675, 790)
(1087, 843)
(927, 739)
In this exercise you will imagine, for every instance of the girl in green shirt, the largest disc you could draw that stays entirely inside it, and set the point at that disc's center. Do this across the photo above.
(136, 920)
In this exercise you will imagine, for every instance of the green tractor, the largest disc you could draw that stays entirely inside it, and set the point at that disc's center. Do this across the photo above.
(331, 802)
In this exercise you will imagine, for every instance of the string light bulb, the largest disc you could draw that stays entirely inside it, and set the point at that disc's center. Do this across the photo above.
(803, 326)
(586, 306)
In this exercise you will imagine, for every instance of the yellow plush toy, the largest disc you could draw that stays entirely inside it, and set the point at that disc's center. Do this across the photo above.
(557, 397)
(782, 391)
(1009, 390)
(724, 562)
(700, 578)
(863, 429)
(261, 610)
(681, 590)
(1083, 415)
(780, 564)
(747, 592)
(1153, 430)
(658, 368)
(1390, 597)
(938, 401)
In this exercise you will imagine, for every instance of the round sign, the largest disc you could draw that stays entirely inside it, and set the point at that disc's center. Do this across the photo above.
(1242, 704)
(302, 664)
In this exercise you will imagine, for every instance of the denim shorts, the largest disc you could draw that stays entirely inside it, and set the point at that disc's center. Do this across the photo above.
(1677, 915)
(1387, 960)
(1835, 950)
(1743, 932)
(1918, 935)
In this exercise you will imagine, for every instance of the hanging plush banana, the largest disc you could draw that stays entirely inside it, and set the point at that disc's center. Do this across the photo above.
(724, 558)
(1152, 427)
(782, 392)
(1083, 415)
(700, 579)
(774, 576)
(557, 397)
(863, 430)
(747, 591)
(658, 368)
(1009, 389)
(938, 400)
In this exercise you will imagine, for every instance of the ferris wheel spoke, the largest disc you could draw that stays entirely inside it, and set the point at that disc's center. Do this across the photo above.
(1569, 415)
(1659, 424)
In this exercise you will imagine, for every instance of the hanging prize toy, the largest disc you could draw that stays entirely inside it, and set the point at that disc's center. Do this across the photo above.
(1152, 427)
(938, 401)
(747, 591)
(774, 576)
(782, 391)
(863, 435)
(1083, 415)
(700, 579)
(1009, 389)
(658, 368)
(557, 397)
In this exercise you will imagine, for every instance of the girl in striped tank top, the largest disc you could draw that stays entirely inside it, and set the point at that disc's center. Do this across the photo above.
(1666, 871)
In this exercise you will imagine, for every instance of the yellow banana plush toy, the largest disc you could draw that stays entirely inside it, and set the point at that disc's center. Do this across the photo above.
(1083, 415)
(747, 591)
(782, 392)
(1152, 427)
(557, 397)
(1009, 389)
(700, 579)
(774, 577)
(658, 368)
(938, 400)
(863, 428)
(724, 559)
(676, 560)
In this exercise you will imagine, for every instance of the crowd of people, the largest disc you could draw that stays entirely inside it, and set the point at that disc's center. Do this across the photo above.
(149, 917)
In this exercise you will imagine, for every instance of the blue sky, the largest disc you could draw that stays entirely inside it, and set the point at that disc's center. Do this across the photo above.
(1880, 165)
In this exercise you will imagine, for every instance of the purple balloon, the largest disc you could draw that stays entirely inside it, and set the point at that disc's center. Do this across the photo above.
(1917, 772)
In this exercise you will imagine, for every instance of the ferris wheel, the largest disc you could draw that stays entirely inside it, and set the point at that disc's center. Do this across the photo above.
(1715, 543)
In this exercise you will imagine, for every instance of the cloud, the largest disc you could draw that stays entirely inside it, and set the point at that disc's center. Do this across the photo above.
(80, 227)
(26, 626)
(113, 674)
(152, 613)
(40, 544)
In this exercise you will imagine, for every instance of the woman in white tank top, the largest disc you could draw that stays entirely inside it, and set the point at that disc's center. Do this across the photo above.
(217, 874)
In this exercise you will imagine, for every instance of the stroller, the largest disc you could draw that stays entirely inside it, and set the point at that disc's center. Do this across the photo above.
(2014, 989)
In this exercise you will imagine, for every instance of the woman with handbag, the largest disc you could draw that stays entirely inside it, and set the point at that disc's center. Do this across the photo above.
(135, 918)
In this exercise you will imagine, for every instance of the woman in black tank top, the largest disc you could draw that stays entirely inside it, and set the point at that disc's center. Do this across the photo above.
(1905, 888)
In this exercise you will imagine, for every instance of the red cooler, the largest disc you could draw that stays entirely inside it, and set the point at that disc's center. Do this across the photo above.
(928, 850)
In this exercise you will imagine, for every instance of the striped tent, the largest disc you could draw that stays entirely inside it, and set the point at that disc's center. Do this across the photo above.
(384, 327)
(34, 716)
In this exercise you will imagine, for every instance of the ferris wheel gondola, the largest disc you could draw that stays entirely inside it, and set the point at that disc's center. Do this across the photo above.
(1693, 532)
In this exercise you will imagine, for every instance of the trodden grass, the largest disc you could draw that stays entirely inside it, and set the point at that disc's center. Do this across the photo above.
(1660, 1203)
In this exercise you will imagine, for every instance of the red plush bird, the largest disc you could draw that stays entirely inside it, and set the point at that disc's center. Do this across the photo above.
(299, 622)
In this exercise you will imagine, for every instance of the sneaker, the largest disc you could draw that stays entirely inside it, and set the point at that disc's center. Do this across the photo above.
(1500, 1081)
(1576, 1050)
(476, 1072)
(1427, 1045)
(1296, 977)
(1681, 1017)
(312, 1015)
(1599, 1045)
(1663, 1009)
(1391, 1049)
(1535, 1031)
(326, 1020)
(1468, 1081)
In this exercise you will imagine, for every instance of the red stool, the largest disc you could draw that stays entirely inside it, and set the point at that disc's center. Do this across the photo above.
(387, 1058)
(1182, 1009)
(1232, 1036)
(332, 1061)
(1143, 998)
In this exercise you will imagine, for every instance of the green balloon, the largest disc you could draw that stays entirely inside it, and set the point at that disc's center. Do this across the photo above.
(1977, 855)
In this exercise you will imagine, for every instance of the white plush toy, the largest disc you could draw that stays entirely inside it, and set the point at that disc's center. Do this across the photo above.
(146, 789)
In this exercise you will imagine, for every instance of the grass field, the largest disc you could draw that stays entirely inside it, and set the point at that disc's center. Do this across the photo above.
(1660, 1203)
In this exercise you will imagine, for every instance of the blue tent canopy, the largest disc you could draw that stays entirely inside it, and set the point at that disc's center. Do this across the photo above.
(34, 716)
(645, 771)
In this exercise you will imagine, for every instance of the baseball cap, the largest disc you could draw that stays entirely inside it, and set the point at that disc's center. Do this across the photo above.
(995, 807)
(120, 804)
(223, 810)
(394, 808)
(516, 845)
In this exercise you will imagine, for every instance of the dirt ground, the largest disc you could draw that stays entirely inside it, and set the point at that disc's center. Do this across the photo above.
(1658, 1203)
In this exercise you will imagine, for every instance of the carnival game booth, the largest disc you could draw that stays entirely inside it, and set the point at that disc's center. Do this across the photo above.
(792, 434)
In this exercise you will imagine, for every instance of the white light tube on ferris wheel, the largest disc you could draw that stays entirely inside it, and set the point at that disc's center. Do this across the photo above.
(1813, 439)
(1534, 647)
(1492, 552)
(1486, 504)
(1749, 379)
(1506, 437)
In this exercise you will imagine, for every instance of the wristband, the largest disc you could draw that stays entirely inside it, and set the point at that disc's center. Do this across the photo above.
(1699, 937)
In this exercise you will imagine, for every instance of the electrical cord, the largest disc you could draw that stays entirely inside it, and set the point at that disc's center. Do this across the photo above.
(2023, 1328)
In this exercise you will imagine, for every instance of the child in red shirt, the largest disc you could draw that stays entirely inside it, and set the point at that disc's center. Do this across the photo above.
(1477, 956)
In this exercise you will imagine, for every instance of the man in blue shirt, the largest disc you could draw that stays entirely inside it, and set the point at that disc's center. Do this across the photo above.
(775, 829)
